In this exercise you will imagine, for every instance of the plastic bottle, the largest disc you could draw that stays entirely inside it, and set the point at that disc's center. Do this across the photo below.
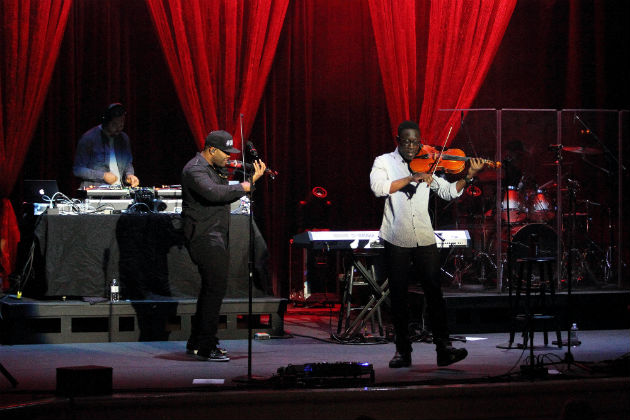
(114, 295)
(573, 334)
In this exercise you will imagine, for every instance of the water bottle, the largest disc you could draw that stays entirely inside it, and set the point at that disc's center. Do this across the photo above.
(114, 295)
(573, 334)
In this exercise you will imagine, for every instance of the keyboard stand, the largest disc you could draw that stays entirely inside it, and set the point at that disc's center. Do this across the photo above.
(377, 296)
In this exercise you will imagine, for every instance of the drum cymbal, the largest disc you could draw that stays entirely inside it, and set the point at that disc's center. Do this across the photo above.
(583, 150)
(550, 183)
(588, 202)
(554, 163)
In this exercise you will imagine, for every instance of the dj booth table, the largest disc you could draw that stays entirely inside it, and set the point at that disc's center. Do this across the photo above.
(77, 256)
(146, 252)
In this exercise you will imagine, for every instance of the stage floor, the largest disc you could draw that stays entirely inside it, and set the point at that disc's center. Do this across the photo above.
(164, 365)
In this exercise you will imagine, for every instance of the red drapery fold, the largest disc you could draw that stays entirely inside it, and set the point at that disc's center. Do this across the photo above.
(463, 37)
(394, 24)
(219, 53)
(29, 44)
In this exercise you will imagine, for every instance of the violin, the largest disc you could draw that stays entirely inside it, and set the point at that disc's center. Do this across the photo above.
(453, 161)
(238, 164)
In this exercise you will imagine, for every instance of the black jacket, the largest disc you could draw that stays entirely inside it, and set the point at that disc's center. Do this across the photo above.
(206, 198)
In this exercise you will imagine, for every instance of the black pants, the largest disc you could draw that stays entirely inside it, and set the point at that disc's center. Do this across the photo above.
(212, 260)
(424, 263)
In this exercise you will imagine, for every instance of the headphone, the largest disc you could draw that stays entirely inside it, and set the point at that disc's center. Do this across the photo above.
(113, 110)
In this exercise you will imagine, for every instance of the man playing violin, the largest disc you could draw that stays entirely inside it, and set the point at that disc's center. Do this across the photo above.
(409, 240)
(206, 198)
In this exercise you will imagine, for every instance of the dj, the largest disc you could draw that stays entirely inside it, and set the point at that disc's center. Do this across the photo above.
(103, 154)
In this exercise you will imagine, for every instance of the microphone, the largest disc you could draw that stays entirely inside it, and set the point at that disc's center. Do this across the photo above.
(251, 149)
(237, 164)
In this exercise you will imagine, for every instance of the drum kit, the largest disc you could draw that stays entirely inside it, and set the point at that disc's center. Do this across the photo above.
(528, 209)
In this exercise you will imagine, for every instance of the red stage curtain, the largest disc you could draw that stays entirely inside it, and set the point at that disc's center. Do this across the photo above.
(29, 43)
(219, 54)
(394, 24)
(322, 121)
(463, 37)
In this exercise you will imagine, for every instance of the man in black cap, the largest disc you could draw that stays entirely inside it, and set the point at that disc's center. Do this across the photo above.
(206, 198)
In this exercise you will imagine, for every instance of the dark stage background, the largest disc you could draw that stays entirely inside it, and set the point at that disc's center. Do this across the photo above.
(323, 116)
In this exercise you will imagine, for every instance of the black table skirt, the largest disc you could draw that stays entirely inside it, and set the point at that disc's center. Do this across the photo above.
(79, 254)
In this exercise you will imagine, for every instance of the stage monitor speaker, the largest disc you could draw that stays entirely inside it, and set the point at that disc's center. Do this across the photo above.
(323, 374)
(81, 381)
(314, 273)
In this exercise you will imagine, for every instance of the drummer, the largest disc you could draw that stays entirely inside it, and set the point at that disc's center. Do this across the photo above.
(514, 161)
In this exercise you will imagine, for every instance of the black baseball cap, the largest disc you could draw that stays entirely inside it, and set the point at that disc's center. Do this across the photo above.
(221, 140)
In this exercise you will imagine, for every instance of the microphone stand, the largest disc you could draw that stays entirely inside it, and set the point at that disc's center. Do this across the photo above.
(571, 187)
(508, 259)
(249, 379)
(610, 154)
(615, 170)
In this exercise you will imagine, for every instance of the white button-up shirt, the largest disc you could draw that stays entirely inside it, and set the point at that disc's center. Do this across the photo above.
(406, 222)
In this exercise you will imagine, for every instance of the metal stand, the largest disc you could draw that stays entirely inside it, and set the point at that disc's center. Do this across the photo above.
(9, 377)
(571, 187)
(508, 260)
(378, 296)
(619, 171)
(249, 379)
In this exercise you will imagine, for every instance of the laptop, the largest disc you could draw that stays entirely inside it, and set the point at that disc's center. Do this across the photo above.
(35, 190)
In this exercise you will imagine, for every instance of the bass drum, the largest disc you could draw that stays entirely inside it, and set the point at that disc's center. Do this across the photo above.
(521, 239)
(547, 240)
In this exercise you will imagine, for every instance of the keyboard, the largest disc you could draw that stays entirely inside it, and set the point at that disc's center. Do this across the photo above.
(369, 239)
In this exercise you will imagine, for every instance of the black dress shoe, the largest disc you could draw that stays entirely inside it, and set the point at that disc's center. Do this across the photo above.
(213, 355)
(449, 355)
(400, 360)
(195, 350)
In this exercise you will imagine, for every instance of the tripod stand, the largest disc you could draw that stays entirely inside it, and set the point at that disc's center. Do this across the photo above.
(572, 187)
(7, 375)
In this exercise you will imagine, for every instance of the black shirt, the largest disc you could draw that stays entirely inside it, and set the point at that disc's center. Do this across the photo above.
(206, 198)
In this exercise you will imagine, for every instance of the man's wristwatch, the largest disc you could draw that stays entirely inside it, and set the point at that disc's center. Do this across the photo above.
(469, 180)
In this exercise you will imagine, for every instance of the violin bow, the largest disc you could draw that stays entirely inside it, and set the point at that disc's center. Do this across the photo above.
(435, 164)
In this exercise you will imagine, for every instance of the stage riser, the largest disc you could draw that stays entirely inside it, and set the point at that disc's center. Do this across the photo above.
(491, 313)
(40, 322)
